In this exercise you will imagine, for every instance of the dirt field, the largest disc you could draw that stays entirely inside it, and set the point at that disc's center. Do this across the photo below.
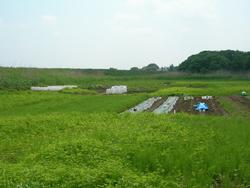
(241, 100)
(188, 106)
(214, 106)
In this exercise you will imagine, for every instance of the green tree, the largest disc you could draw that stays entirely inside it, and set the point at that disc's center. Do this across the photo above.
(151, 67)
(209, 61)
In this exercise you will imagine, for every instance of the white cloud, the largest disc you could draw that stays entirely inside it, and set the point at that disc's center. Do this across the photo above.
(48, 18)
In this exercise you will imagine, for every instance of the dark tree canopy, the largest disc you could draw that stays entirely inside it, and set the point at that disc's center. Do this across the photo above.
(134, 69)
(151, 67)
(210, 61)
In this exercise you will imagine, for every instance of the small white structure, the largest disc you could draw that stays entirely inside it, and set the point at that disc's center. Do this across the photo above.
(117, 90)
(186, 98)
(206, 97)
(52, 88)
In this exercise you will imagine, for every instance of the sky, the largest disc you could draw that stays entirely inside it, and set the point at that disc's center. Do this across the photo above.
(118, 33)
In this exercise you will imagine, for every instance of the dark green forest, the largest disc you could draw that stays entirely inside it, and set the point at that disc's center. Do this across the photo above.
(211, 61)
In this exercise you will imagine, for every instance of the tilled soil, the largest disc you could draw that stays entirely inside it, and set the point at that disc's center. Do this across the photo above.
(188, 106)
(157, 104)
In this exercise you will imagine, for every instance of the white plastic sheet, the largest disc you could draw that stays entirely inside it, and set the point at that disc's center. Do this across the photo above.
(206, 97)
(52, 88)
(144, 105)
(167, 106)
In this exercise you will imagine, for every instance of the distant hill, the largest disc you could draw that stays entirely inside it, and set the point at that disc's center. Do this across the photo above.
(211, 61)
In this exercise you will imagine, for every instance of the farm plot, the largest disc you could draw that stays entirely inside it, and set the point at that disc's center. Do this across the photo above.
(145, 105)
(158, 105)
(167, 106)
(187, 106)
(174, 104)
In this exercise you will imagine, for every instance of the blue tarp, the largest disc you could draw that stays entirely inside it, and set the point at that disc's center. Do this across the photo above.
(201, 106)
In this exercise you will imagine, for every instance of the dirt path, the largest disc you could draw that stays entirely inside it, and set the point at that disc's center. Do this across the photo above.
(241, 100)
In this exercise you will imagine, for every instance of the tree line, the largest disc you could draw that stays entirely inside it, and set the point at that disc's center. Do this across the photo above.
(203, 62)
(211, 61)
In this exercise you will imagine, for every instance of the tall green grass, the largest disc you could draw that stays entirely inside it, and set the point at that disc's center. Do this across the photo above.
(108, 150)
(199, 88)
(24, 78)
(31, 103)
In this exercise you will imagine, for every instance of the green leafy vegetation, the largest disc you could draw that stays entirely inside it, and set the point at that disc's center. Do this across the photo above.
(108, 150)
(79, 91)
(99, 80)
(25, 103)
(210, 61)
(200, 88)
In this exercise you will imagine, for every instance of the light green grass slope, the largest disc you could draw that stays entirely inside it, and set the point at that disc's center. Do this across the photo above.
(104, 150)
(30, 103)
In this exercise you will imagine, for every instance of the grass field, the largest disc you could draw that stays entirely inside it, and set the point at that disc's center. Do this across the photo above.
(79, 138)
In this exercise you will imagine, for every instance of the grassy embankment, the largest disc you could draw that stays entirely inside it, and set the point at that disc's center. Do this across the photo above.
(71, 140)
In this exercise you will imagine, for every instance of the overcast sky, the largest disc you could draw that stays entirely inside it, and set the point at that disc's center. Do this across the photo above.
(118, 33)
